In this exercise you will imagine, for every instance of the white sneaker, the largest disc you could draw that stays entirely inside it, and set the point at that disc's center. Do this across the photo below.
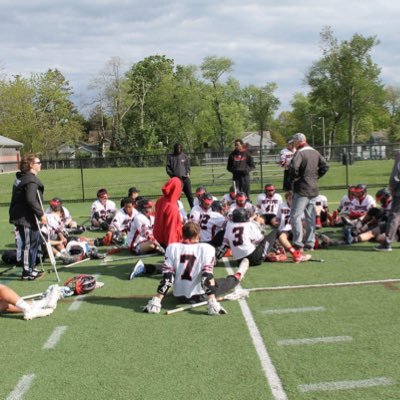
(37, 312)
(243, 267)
(138, 269)
(51, 296)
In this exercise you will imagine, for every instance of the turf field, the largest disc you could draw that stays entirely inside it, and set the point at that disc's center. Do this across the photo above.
(315, 341)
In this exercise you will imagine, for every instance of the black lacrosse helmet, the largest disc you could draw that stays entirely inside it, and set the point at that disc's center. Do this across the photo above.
(240, 214)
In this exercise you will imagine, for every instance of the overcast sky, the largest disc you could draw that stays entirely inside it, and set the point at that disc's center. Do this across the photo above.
(268, 41)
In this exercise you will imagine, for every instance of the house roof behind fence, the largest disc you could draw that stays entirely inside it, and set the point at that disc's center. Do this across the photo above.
(7, 142)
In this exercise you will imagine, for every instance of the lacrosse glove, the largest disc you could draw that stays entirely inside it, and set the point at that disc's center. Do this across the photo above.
(153, 306)
(215, 308)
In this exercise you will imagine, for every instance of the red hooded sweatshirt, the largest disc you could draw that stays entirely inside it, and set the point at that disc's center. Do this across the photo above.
(167, 221)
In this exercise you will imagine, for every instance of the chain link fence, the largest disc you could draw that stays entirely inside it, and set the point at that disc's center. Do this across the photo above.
(79, 179)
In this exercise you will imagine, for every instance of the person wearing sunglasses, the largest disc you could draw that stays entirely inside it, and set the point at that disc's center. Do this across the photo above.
(25, 212)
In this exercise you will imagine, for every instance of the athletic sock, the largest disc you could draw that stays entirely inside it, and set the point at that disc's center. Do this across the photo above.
(23, 305)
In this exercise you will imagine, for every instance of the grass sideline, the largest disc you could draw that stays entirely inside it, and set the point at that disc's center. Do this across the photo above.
(111, 350)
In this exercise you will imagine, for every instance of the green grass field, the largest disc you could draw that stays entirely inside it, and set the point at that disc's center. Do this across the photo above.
(67, 183)
(109, 349)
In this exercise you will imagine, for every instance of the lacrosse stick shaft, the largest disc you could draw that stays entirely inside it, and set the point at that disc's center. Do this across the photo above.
(75, 263)
(32, 296)
(190, 306)
(47, 242)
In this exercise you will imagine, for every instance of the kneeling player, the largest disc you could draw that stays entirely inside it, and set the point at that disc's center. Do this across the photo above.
(188, 269)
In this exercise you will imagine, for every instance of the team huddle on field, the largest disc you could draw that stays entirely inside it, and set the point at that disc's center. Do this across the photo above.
(191, 241)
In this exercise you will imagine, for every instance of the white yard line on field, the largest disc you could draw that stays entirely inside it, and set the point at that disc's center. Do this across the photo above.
(54, 338)
(316, 340)
(273, 379)
(22, 387)
(345, 385)
(292, 310)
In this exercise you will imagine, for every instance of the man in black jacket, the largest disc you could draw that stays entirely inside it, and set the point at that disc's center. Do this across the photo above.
(240, 163)
(306, 168)
(25, 207)
(178, 165)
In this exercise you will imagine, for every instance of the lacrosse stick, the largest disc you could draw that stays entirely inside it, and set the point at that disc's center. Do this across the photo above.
(236, 295)
(234, 186)
(47, 242)
(72, 264)
(107, 260)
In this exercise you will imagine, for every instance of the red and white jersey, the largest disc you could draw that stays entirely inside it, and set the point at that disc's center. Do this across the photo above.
(268, 205)
(66, 218)
(242, 238)
(321, 201)
(364, 205)
(285, 157)
(54, 225)
(247, 206)
(197, 214)
(122, 221)
(284, 218)
(188, 261)
(210, 225)
(104, 211)
(141, 230)
(345, 205)
(227, 197)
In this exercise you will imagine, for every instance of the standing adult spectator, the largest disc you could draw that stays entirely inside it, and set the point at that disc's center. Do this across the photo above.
(25, 207)
(306, 168)
(393, 221)
(178, 165)
(285, 157)
(240, 163)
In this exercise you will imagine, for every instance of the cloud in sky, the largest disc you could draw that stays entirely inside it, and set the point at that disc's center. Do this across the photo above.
(268, 40)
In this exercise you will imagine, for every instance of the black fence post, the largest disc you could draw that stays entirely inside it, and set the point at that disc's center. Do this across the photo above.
(82, 182)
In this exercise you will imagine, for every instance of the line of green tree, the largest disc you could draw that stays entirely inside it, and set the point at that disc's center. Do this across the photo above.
(156, 103)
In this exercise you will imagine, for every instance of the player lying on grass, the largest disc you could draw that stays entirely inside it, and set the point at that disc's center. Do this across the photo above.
(11, 302)
(188, 269)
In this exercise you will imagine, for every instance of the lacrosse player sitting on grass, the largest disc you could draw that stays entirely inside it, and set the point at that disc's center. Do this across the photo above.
(188, 269)
(10, 302)
(120, 225)
(103, 211)
(140, 238)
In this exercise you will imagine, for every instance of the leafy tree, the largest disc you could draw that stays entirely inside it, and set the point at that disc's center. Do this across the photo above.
(212, 69)
(345, 82)
(392, 105)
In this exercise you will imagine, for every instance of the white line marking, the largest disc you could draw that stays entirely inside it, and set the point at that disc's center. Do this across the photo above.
(54, 337)
(343, 385)
(322, 285)
(78, 300)
(292, 310)
(76, 303)
(269, 369)
(22, 387)
(326, 339)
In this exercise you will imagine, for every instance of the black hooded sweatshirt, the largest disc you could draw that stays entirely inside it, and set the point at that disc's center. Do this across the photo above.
(25, 204)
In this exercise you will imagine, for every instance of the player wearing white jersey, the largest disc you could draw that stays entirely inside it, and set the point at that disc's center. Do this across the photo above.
(321, 211)
(361, 203)
(188, 268)
(230, 197)
(285, 158)
(120, 225)
(140, 237)
(103, 210)
(268, 205)
(200, 214)
(245, 239)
